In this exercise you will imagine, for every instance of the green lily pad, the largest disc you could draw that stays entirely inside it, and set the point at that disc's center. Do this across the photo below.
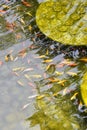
(84, 89)
(64, 21)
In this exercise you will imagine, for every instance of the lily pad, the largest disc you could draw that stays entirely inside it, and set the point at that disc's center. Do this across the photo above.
(64, 21)
(84, 89)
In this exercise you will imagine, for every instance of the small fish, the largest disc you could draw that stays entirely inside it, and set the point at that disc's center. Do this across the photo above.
(26, 3)
(16, 58)
(5, 7)
(15, 73)
(55, 94)
(47, 52)
(33, 96)
(22, 21)
(61, 82)
(30, 28)
(9, 57)
(31, 84)
(72, 73)
(2, 11)
(1, 62)
(41, 56)
(28, 69)
(51, 68)
(53, 79)
(20, 83)
(40, 97)
(28, 13)
(74, 96)
(59, 73)
(84, 59)
(72, 64)
(65, 91)
(25, 106)
(36, 76)
(27, 76)
(18, 69)
(47, 61)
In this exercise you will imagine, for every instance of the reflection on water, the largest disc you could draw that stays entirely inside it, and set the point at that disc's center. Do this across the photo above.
(15, 19)
(37, 84)
(14, 96)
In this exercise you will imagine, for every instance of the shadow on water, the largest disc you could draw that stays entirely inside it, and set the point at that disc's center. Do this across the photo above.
(44, 75)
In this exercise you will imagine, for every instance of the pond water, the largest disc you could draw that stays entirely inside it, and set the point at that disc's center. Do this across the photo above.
(39, 86)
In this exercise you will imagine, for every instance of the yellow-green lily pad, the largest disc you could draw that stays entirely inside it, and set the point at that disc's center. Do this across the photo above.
(64, 21)
(84, 89)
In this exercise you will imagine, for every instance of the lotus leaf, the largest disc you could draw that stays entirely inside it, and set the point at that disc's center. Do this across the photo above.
(64, 21)
(84, 89)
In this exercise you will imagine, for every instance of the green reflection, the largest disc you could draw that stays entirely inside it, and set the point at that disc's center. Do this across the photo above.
(54, 109)
(54, 114)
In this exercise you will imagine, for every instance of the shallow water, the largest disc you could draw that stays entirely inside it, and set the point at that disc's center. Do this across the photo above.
(36, 85)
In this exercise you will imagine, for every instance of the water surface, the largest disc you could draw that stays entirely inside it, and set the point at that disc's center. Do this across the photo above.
(36, 80)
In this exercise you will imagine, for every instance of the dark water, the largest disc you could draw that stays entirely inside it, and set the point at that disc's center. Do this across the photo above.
(37, 79)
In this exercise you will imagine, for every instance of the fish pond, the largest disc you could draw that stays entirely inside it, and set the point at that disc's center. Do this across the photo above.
(40, 79)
